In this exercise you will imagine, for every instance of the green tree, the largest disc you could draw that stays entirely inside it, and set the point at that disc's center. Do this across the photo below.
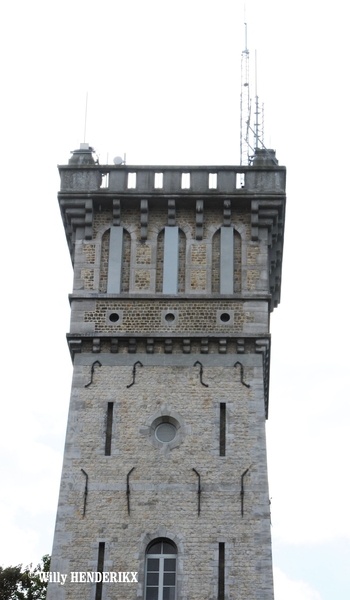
(24, 584)
(10, 583)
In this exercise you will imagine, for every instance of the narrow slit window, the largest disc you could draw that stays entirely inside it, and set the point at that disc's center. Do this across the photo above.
(213, 181)
(131, 181)
(185, 181)
(240, 180)
(158, 181)
(222, 429)
(109, 424)
(100, 565)
(221, 573)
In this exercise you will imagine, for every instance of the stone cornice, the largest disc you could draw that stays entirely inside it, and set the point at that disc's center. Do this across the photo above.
(270, 215)
(246, 297)
(261, 345)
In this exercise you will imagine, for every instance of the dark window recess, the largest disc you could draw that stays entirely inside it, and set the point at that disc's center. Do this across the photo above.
(109, 429)
(222, 429)
(100, 564)
(170, 317)
(114, 317)
(221, 574)
(224, 317)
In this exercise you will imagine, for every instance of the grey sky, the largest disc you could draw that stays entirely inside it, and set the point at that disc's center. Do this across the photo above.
(163, 79)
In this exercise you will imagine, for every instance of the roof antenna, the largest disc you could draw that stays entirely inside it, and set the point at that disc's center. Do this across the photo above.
(119, 161)
(259, 124)
(247, 150)
(86, 107)
(257, 111)
(245, 102)
(85, 145)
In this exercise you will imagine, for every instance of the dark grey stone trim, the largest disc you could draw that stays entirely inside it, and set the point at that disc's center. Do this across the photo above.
(270, 215)
(144, 218)
(76, 214)
(171, 213)
(116, 213)
(263, 346)
(227, 213)
(253, 297)
(199, 219)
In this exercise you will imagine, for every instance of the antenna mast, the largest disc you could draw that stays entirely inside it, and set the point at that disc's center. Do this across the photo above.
(245, 104)
(247, 149)
(86, 108)
(258, 125)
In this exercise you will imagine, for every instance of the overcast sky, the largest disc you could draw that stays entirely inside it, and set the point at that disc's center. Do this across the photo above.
(163, 83)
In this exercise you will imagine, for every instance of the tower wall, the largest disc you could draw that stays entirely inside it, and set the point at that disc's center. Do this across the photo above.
(195, 359)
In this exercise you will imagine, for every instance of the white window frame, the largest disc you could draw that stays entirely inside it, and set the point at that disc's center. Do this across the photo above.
(161, 558)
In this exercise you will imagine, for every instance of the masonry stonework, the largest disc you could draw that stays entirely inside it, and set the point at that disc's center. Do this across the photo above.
(196, 362)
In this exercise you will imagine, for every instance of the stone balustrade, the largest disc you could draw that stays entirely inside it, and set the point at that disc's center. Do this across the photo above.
(158, 180)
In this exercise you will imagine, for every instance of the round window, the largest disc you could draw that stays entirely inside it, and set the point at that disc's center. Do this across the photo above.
(114, 317)
(225, 317)
(170, 317)
(165, 432)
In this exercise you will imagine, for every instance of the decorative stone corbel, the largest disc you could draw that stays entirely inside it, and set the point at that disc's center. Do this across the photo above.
(222, 346)
(132, 346)
(204, 346)
(96, 345)
(74, 347)
(168, 346)
(269, 215)
(88, 219)
(227, 213)
(186, 345)
(199, 219)
(171, 213)
(240, 346)
(114, 345)
(150, 345)
(262, 347)
(144, 219)
(116, 213)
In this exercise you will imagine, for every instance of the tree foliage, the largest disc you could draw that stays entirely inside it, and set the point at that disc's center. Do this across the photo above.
(24, 584)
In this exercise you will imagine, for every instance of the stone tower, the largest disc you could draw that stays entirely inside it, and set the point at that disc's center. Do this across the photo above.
(176, 270)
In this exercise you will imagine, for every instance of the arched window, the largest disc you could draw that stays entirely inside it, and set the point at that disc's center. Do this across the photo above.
(171, 256)
(160, 261)
(227, 273)
(115, 260)
(161, 558)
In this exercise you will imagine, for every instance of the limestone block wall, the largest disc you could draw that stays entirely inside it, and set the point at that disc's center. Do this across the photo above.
(195, 357)
(163, 486)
